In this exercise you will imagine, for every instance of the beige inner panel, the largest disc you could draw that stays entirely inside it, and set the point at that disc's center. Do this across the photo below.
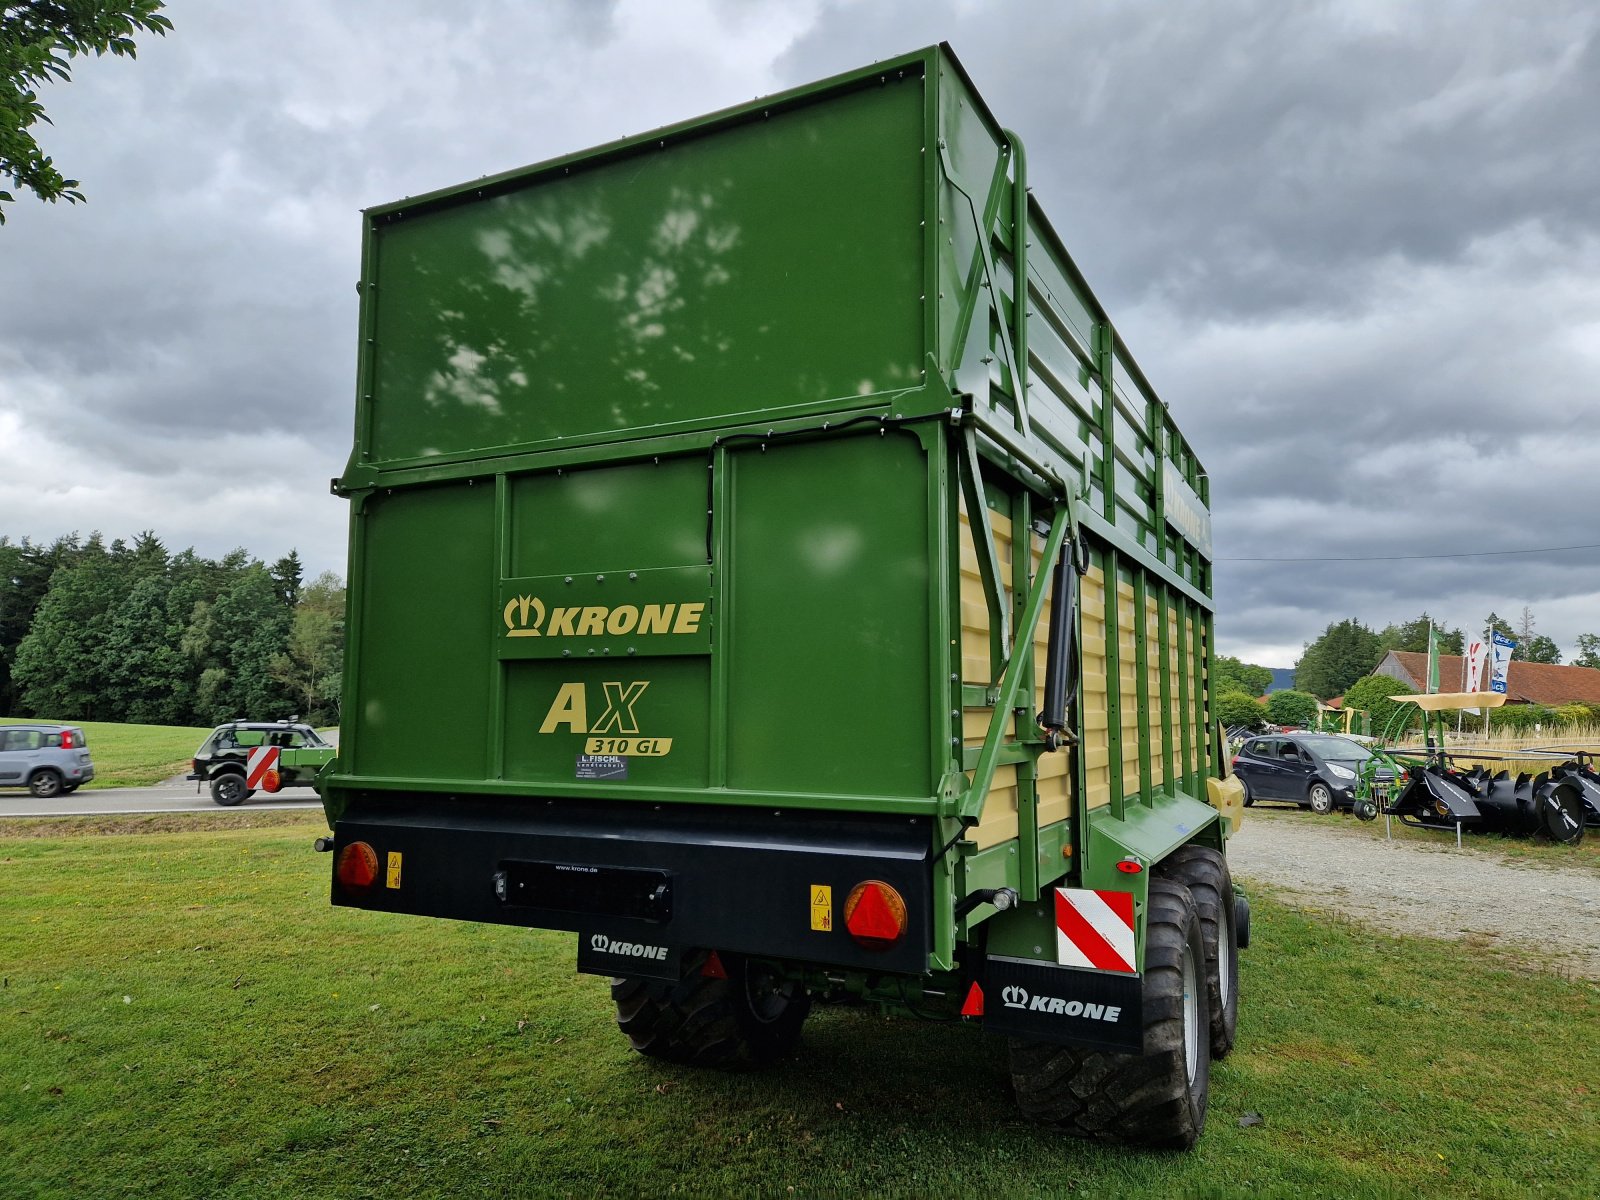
(1096, 724)
(998, 821)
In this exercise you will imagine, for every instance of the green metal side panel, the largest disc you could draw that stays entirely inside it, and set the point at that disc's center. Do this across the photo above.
(827, 618)
(426, 616)
(773, 266)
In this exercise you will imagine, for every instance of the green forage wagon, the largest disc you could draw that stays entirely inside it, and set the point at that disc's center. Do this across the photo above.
(804, 596)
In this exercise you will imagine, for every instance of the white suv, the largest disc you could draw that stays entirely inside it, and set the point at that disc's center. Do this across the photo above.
(49, 760)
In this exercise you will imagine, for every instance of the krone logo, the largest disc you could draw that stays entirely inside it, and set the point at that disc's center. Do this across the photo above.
(518, 609)
(601, 944)
(1015, 997)
(524, 616)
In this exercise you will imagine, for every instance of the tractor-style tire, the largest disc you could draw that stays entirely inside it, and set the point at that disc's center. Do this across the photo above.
(749, 1019)
(1205, 873)
(1154, 1099)
(228, 789)
(1320, 799)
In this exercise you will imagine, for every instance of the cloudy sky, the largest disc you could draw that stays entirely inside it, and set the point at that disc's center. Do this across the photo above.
(1355, 246)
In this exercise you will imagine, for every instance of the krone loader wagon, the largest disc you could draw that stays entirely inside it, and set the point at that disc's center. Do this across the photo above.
(768, 564)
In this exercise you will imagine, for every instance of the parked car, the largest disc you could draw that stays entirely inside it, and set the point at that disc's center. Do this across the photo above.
(223, 759)
(1318, 771)
(49, 760)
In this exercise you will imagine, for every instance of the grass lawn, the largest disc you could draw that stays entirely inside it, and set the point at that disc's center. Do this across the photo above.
(133, 755)
(183, 1014)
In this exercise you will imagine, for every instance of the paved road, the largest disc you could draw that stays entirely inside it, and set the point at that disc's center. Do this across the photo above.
(171, 796)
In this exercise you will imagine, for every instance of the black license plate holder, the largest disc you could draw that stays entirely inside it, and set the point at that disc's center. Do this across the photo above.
(640, 893)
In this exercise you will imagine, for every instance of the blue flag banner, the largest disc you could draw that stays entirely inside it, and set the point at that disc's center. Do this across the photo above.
(1501, 663)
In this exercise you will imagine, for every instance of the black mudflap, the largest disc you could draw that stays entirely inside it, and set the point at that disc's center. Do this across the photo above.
(1047, 1003)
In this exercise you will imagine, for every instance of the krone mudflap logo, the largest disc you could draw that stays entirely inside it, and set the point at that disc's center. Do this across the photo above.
(1018, 997)
(526, 617)
(601, 944)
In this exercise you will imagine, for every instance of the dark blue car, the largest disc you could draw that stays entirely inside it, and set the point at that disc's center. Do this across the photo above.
(1313, 770)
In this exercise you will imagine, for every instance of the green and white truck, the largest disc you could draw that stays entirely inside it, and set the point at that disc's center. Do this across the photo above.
(804, 597)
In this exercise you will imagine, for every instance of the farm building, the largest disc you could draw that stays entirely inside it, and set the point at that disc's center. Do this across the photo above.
(1526, 683)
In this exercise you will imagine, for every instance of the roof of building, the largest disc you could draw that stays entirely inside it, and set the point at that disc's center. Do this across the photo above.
(1530, 683)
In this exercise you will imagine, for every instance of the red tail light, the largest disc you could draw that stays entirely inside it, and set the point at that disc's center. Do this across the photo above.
(357, 866)
(875, 915)
(271, 781)
(66, 739)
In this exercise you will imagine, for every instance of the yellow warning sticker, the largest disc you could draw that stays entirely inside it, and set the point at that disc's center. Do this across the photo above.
(392, 878)
(822, 907)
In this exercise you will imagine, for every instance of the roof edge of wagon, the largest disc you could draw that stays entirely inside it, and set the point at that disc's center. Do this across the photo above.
(677, 132)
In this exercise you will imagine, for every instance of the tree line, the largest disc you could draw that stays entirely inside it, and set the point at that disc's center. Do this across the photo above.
(1348, 650)
(128, 632)
(1341, 663)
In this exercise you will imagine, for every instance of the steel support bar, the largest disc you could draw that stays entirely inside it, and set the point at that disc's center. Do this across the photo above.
(971, 803)
(1019, 272)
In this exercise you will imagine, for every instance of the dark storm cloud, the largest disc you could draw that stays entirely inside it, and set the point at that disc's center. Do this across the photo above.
(1354, 245)
(1357, 248)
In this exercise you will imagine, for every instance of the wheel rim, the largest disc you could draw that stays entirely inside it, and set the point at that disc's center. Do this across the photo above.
(1191, 1014)
(1225, 954)
(767, 994)
(46, 785)
(1321, 799)
(231, 787)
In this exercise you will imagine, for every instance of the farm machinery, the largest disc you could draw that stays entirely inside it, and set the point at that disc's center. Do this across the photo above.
(1440, 788)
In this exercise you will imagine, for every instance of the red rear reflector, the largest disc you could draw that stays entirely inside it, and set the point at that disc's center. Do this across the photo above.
(1128, 867)
(357, 866)
(974, 1005)
(712, 968)
(875, 915)
(271, 781)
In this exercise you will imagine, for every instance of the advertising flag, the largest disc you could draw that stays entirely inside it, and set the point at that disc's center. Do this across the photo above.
(1433, 660)
(1477, 657)
(1503, 646)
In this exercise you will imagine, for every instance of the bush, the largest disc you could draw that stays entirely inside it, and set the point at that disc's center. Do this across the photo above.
(1240, 708)
(1521, 718)
(1292, 708)
(1371, 694)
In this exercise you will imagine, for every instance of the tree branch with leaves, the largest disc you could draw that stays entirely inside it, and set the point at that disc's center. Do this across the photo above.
(38, 41)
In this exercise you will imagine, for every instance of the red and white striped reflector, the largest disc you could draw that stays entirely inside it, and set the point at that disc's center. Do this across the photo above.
(1095, 930)
(262, 760)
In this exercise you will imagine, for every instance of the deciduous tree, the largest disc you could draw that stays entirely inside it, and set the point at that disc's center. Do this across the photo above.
(38, 41)
(1373, 694)
(1290, 707)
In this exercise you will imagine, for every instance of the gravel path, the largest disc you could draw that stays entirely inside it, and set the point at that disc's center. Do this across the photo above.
(1549, 914)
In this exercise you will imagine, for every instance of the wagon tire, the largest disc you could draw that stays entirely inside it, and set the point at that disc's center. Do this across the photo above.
(1205, 873)
(1155, 1099)
(1320, 797)
(228, 789)
(750, 1019)
(46, 784)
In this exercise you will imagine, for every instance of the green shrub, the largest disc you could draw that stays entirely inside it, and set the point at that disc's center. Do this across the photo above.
(1292, 708)
(1371, 694)
(1240, 708)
